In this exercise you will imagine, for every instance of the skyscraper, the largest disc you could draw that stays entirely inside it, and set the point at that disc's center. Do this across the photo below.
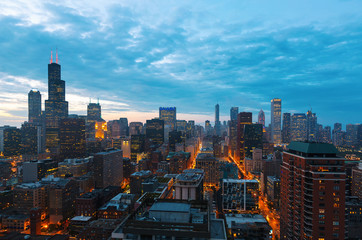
(337, 135)
(253, 138)
(244, 118)
(312, 192)
(108, 168)
(261, 117)
(135, 128)
(311, 126)
(217, 120)
(168, 115)
(56, 107)
(276, 110)
(94, 112)
(72, 138)
(299, 127)
(234, 111)
(155, 131)
(286, 128)
(34, 106)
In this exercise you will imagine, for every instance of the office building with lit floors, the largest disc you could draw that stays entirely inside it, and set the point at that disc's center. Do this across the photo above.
(312, 192)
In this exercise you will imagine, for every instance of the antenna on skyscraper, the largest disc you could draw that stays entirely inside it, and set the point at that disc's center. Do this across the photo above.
(51, 56)
(90, 100)
(98, 100)
(56, 56)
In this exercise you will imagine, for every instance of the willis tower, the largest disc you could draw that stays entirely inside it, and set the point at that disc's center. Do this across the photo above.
(56, 107)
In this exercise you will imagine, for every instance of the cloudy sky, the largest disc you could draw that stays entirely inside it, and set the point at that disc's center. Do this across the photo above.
(136, 56)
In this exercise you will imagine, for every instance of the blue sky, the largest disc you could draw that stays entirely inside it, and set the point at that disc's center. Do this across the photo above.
(138, 55)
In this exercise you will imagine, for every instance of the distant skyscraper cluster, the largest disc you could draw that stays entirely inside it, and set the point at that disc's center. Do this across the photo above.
(116, 179)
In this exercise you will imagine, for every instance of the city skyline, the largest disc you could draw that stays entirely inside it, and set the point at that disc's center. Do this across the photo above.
(302, 57)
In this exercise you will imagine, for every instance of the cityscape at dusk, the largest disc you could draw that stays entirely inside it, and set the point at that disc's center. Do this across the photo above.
(139, 120)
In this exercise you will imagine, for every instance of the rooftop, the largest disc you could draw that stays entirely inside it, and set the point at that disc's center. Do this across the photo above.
(231, 180)
(81, 218)
(170, 207)
(309, 147)
(244, 219)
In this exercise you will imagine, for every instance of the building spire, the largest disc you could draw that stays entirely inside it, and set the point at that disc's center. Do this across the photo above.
(56, 58)
(51, 56)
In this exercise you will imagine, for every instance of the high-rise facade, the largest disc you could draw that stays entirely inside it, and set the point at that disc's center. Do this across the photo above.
(286, 128)
(168, 115)
(217, 120)
(253, 138)
(34, 106)
(155, 131)
(299, 127)
(351, 135)
(56, 107)
(276, 111)
(244, 118)
(312, 192)
(94, 112)
(72, 138)
(311, 126)
(135, 128)
(234, 111)
(261, 117)
(337, 135)
(108, 168)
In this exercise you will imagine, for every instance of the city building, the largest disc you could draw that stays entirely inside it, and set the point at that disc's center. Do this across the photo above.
(189, 185)
(211, 167)
(178, 161)
(31, 195)
(117, 207)
(34, 106)
(137, 146)
(94, 112)
(233, 137)
(356, 181)
(136, 180)
(286, 131)
(31, 139)
(88, 203)
(171, 219)
(276, 114)
(338, 135)
(351, 135)
(239, 195)
(72, 138)
(353, 218)
(155, 131)
(135, 128)
(298, 127)
(35, 170)
(75, 167)
(234, 111)
(261, 117)
(244, 118)
(10, 141)
(311, 126)
(273, 190)
(61, 196)
(312, 192)
(253, 138)
(108, 168)
(56, 107)
(247, 226)
(168, 115)
(217, 120)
